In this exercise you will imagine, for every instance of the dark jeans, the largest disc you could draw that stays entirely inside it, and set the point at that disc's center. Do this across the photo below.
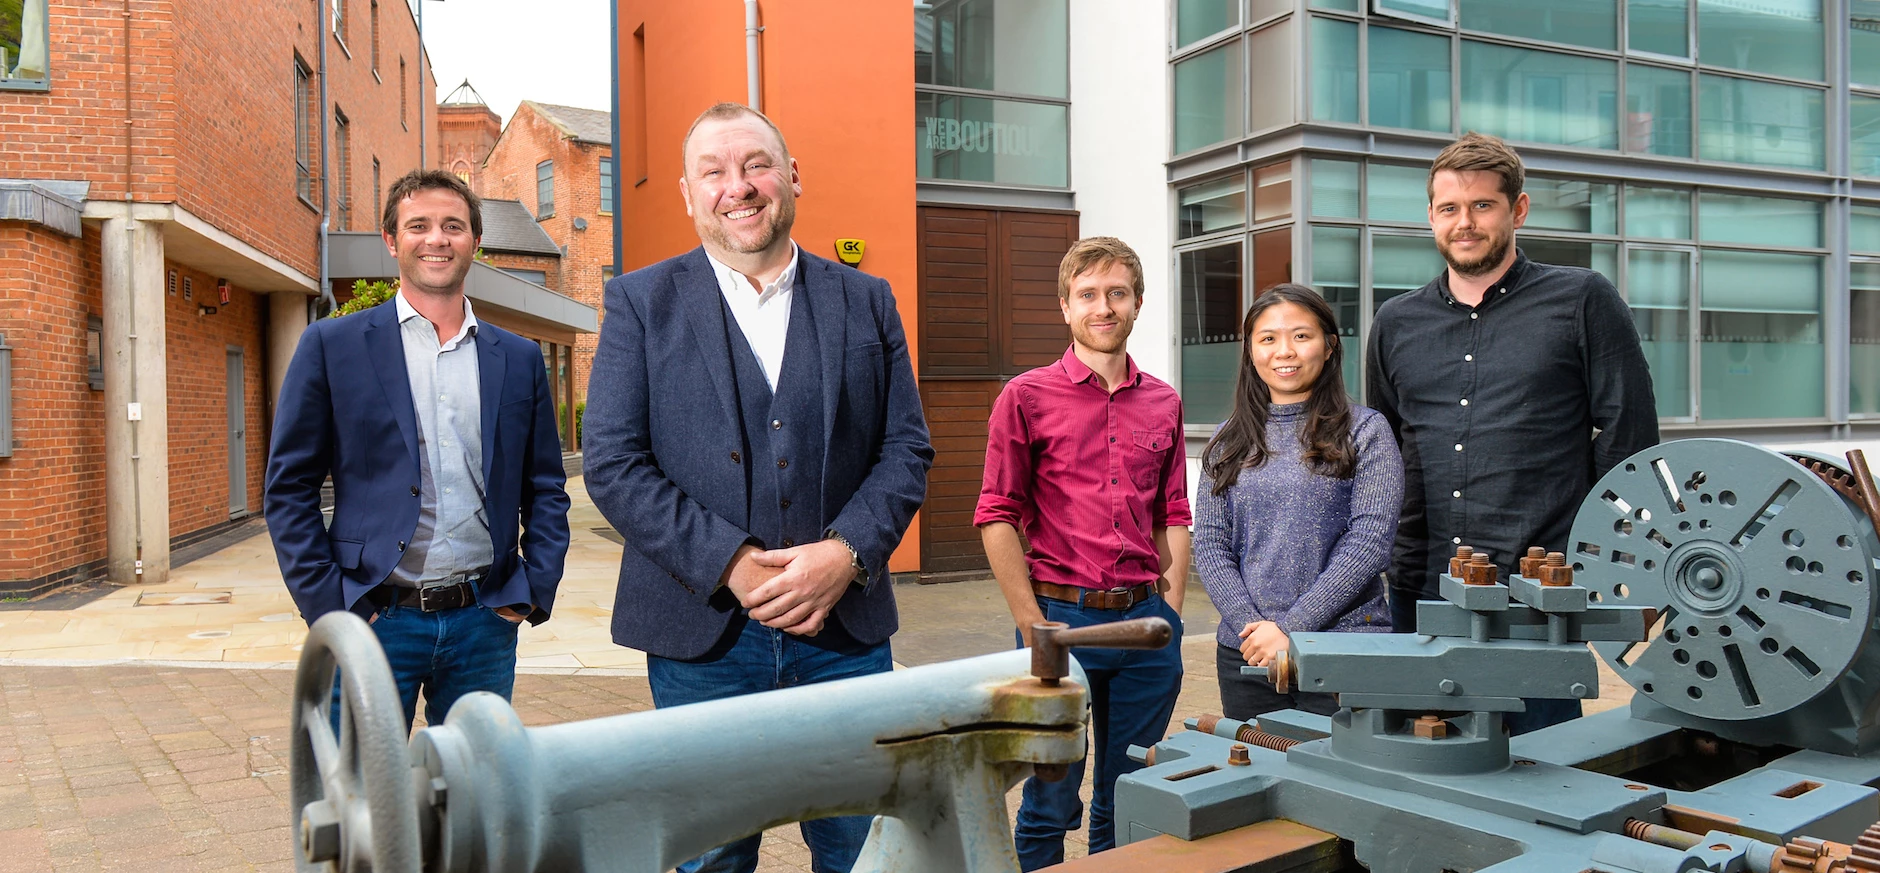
(1540, 713)
(1244, 698)
(1132, 698)
(766, 659)
(445, 654)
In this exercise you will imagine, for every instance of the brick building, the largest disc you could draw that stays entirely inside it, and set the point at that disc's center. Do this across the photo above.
(169, 165)
(466, 131)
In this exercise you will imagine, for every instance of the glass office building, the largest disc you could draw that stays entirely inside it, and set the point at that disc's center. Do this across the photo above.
(1719, 160)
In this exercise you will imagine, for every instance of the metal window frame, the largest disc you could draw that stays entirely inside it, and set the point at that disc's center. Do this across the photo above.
(541, 213)
(45, 84)
(94, 365)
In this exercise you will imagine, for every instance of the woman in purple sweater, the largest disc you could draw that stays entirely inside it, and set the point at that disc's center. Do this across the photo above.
(1298, 504)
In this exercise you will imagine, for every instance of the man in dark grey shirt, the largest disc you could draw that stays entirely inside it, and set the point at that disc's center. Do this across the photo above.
(1512, 386)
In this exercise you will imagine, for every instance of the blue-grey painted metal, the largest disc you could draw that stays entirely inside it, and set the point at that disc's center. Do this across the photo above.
(1682, 555)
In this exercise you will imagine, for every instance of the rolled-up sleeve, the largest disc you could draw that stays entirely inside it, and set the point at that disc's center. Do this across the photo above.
(1171, 507)
(1006, 488)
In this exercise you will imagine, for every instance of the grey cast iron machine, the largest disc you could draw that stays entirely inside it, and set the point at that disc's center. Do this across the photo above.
(932, 750)
(1731, 586)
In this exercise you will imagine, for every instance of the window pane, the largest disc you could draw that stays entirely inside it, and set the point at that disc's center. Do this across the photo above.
(1759, 123)
(1401, 264)
(1601, 258)
(1195, 19)
(607, 185)
(1399, 194)
(1016, 46)
(1437, 10)
(1658, 286)
(23, 42)
(1272, 258)
(544, 189)
(1863, 352)
(1777, 37)
(1863, 122)
(1346, 5)
(1592, 23)
(1769, 221)
(1208, 102)
(978, 139)
(1272, 192)
(1409, 81)
(1211, 313)
(1269, 62)
(1334, 76)
(1761, 336)
(1863, 42)
(1659, 26)
(1660, 213)
(1211, 206)
(1334, 188)
(1570, 204)
(1335, 273)
(1536, 96)
(1863, 229)
(1657, 111)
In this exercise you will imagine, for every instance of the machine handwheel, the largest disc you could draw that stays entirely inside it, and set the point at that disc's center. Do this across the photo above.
(354, 805)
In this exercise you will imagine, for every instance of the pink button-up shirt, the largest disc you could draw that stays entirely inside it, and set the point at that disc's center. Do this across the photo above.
(1088, 475)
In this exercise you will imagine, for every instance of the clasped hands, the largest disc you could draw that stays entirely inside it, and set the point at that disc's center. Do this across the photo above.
(1261, 642)
(791, 589)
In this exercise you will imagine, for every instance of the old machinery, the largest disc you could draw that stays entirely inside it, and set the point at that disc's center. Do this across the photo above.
(1730, 585)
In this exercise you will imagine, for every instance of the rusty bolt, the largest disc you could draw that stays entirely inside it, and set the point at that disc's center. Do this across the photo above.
(1430, 727)
(1479, 571)
(1554, 572)
(1237, 756)
(1531, 562)
(1051, 772)
(1463, 554)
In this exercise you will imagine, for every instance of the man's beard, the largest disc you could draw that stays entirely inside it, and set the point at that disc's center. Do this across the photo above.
(1484, 265)
(1104, 344)
(782, 214)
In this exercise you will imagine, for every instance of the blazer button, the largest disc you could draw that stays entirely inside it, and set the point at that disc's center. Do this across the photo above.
(414, 490)
(781, 463)
(784, 503)
(734, 457)
(401, 545)
(787, 542)
(776, 424)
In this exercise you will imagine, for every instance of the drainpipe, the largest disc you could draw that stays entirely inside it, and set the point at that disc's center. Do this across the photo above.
(326, 212)
(423, 62)
(130, 270)
(753, 69)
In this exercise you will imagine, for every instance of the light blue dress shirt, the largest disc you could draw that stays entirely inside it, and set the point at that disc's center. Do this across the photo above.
(452, 540)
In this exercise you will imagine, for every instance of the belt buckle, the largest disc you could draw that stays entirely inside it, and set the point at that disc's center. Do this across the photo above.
(1120, 590)
(424, 598)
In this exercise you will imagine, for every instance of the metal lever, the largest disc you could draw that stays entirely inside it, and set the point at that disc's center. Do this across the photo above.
(1051, 642)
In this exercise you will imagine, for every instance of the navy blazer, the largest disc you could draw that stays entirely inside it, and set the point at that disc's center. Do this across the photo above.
(345, 408)
(663, 433)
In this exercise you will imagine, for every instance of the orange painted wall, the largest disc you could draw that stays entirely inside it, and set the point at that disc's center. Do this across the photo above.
(839, 82)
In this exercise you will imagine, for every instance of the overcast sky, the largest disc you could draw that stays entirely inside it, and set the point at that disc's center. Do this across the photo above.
(549, 51)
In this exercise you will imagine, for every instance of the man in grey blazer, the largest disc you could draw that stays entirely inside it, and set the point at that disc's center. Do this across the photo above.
(754, 432)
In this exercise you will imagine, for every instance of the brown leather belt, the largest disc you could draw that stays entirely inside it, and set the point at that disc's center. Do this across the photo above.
(436, 598)
(1097, 598)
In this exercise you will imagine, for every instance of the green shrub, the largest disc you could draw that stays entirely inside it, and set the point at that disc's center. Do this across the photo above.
(367, 294)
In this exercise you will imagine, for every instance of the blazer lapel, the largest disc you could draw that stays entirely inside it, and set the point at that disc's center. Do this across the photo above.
(491, 360)
(386, 348)
(702, 300)
(823, 287)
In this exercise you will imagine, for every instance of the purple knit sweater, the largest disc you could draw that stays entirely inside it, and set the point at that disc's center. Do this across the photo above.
(1300, 549)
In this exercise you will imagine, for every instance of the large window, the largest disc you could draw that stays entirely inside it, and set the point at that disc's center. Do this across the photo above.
(1774, 37)
(24, 34)
(544, 190)
(304, 113)
(1218, 266)
(342, 171)
(1863, 351)
(1590, 23)
(1211, 206)
(1657, 111)
(1210, 281)
(1334, 76)
(1753, 122)
(1409, 79)
(992, 89)
(1537, 96)
(607, 185)
(1196, 20)
(1208, 99)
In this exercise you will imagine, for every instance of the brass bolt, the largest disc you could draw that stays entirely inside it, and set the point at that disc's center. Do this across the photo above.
(1554, 572)
(1463, 554)
(1479, 571)
(1430, 727)
(1531, 563)
(1237, 756)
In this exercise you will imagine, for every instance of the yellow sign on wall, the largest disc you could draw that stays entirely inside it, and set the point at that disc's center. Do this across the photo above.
(849, 251)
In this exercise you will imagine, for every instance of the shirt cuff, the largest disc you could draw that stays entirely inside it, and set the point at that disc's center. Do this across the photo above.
(995, 508)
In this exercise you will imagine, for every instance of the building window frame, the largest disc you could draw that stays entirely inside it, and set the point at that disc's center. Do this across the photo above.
(606, 185)
(545, 190)
(375, 42)
(10, 80)
(341, 24)
(378, 192)
(1064, 102)
(342, 174)
(303, 132)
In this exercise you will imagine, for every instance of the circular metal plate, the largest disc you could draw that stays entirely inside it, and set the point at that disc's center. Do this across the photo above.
(1762, 576)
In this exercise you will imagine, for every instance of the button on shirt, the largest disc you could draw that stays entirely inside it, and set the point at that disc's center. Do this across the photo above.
(453, 534)
(764, 316)
(1087, 474)
(1507, 412)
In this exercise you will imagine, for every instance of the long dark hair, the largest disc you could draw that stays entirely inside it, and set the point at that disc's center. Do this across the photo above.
(1241, 441)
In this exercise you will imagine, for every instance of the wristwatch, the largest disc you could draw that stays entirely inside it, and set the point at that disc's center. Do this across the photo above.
(855, 558)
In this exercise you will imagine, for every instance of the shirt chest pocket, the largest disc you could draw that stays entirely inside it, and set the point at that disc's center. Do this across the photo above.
(1148, 455)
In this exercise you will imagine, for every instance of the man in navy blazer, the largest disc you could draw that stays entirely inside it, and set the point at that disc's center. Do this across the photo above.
(754, 432)
(439, 434)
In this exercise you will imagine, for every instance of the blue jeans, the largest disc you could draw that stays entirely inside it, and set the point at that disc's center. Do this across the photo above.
(446, 654)
(767, 659)
(1132, 698)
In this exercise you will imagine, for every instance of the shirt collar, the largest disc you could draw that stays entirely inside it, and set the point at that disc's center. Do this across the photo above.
(1079, 373)
(730, 279)
(1507, 282)
(406, 313)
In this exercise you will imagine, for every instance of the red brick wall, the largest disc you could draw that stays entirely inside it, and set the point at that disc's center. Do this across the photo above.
(465, 135)
(197, 361)
(52, 489)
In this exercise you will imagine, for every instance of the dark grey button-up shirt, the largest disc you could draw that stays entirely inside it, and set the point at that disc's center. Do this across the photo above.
(1507, 412)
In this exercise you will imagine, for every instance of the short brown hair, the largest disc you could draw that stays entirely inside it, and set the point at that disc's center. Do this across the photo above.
(426, 180)
(727, 112)
(1484, 153)
(1094, 252)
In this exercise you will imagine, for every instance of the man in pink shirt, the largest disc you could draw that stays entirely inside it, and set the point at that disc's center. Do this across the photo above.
(1085, 455)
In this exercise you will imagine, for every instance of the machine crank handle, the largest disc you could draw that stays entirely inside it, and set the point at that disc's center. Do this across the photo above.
(1051, 642)
(1283, 674)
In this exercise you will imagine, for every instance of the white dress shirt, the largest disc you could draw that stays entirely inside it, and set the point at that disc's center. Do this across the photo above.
(763, 314)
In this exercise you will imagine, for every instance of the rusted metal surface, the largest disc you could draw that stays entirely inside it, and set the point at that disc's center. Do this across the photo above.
(1864, 855)
(1661, 835)
(1430, 727)
(1531, 562)
(1264, 740)
(1555, 573)
(1463, 555)
(1809, 855)
(1869, 499)
(1280, 672)
(1052, 641)
(1479, 571)
(1276, 846)
(1237, 756)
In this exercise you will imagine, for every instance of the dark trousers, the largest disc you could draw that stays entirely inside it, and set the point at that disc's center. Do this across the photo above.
(1132, 698)
(766, 659)
(1244, 698)
(1540, 713)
